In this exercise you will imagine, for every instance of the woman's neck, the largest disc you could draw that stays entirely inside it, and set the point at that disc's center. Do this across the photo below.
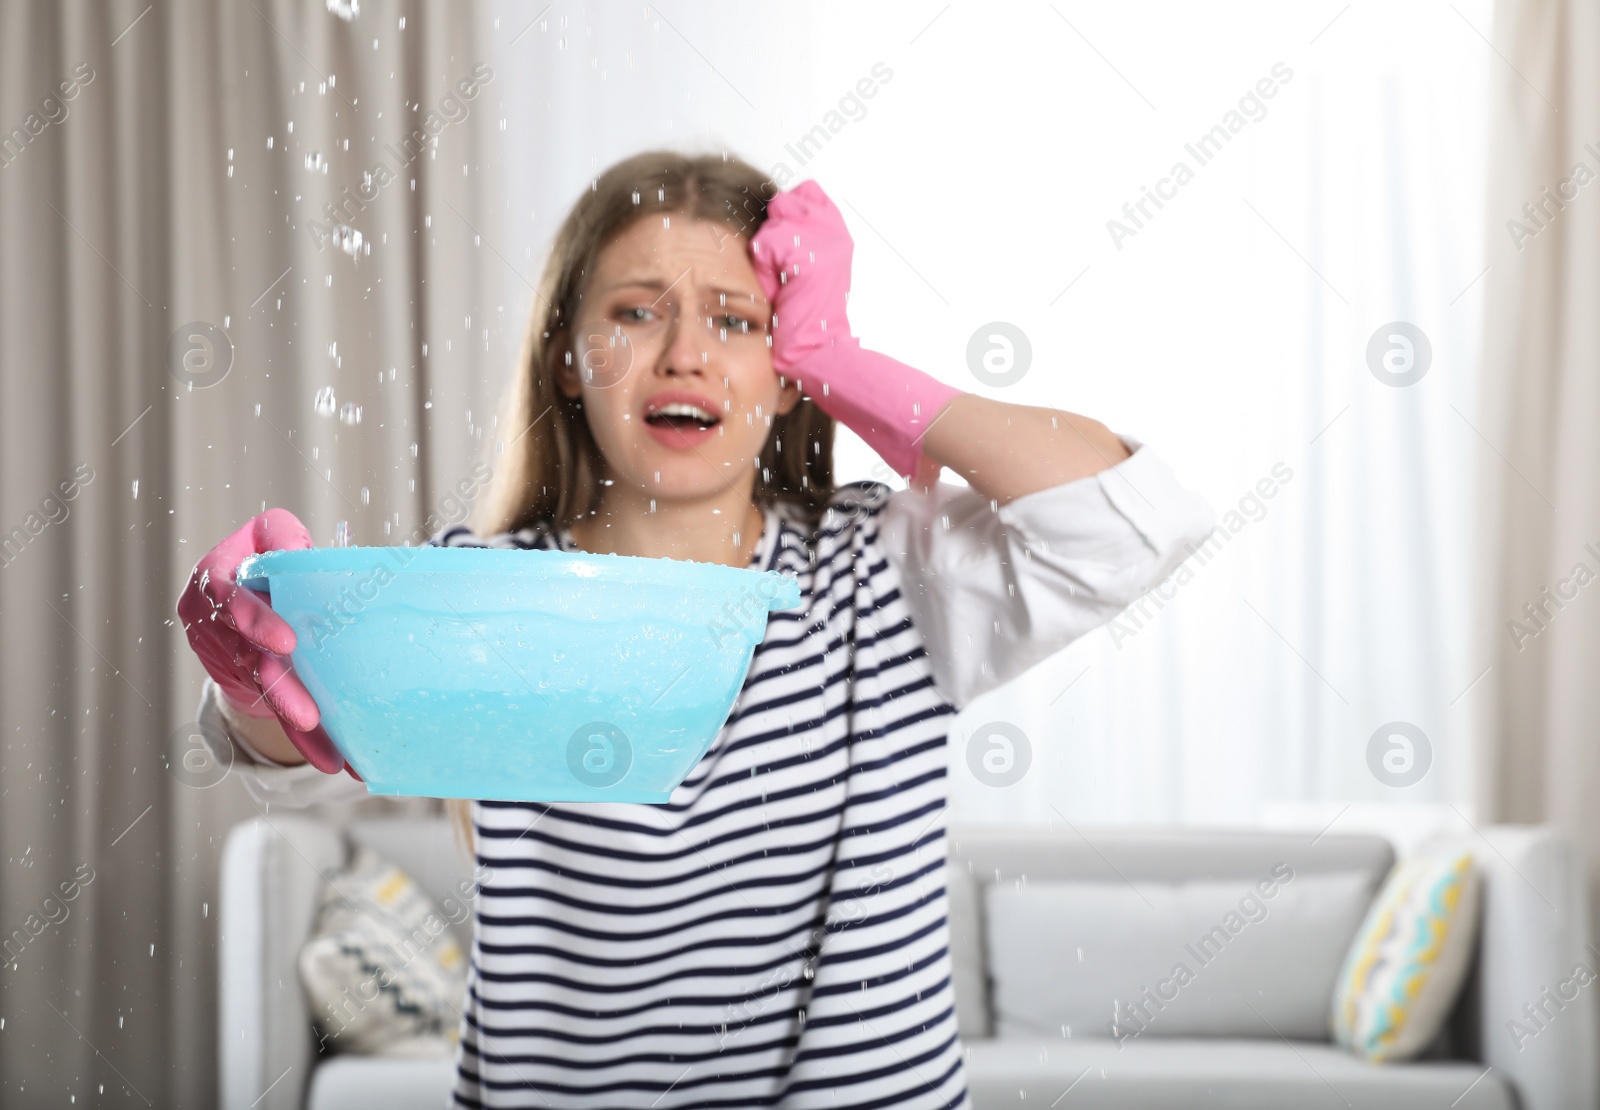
(724, 529)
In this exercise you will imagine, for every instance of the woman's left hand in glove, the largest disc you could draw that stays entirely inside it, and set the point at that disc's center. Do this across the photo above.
(802, 256)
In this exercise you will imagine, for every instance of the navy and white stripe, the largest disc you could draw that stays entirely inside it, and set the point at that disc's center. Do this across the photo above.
(776, 933)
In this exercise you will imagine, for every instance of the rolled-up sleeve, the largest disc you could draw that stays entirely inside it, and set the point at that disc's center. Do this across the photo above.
(994, 593)
(292, 787)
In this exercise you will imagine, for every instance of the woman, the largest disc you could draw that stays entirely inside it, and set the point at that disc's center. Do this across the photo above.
(776, 934)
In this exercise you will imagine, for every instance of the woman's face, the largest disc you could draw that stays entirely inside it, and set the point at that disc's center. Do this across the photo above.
(673, 313)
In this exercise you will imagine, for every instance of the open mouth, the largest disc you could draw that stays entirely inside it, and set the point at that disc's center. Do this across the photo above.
(682, 417)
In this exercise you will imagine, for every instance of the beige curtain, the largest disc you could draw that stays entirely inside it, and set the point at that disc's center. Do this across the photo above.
(163, 187)
(1540, 476)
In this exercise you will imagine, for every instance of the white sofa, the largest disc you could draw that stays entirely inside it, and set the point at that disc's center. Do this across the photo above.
(1052, 933)
(1047, 926)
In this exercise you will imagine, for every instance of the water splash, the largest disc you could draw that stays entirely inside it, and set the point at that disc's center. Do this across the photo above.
(325, 403)
(346, 10)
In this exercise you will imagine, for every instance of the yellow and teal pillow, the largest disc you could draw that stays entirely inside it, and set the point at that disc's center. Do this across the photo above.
(1409, 959)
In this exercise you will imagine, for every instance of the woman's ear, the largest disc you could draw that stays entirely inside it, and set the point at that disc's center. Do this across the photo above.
(788, 395)
(566, 375)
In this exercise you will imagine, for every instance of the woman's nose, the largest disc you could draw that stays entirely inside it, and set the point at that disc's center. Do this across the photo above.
(686, 348)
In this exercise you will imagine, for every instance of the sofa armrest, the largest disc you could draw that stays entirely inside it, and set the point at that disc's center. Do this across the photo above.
(270, 887)
(1536, 1023)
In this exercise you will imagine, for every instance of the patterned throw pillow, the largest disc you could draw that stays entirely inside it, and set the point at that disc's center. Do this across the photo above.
(1409, 959)
(382, 970)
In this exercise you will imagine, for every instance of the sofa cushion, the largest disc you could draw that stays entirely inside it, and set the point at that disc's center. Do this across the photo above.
(1213, 958)
(428, 850)
(966, 954)
(382, 969)
(1005, 853)
(381, 1083)
(1409, 958)
(1215, 1074)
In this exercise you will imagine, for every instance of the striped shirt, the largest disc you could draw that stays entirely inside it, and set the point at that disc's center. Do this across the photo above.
(776, 933)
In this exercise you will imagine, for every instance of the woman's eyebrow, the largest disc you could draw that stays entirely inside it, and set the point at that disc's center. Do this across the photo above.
(740, 295)
(734, 296)
(631, 283)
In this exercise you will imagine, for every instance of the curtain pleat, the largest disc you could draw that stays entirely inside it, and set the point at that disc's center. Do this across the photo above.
(1540, 538)
(154, 202)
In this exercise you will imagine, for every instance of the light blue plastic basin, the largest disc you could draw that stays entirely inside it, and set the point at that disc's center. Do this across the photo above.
(545, 676)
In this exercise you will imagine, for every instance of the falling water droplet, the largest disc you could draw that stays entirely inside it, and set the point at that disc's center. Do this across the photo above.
(636, 196)
(346, 10)
(314, 161)
(350, 413)
(341, 534)
(347, 239)
(136, 489)
(325, 403)
(366, 496)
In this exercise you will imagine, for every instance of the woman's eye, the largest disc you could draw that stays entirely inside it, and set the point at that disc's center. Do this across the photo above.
(634, 315)
(730, 322)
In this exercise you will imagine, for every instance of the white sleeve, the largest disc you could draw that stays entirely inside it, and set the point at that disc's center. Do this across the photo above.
(996, 592)
(293, 787)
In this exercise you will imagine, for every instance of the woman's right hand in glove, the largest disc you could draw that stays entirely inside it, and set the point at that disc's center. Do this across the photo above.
(245, 646)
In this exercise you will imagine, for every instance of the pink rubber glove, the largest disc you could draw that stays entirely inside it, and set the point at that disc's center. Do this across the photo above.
(802, 258)
(244, 645)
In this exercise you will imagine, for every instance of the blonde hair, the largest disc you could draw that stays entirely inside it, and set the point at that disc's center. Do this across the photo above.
(551, 467)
